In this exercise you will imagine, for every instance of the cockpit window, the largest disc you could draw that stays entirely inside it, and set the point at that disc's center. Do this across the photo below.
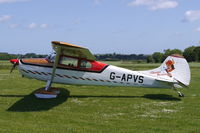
(68, 61)
(51, 57)
(85, 64)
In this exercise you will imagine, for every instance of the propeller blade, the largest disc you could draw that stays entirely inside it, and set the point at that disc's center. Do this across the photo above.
(15, 62)
(13, 67)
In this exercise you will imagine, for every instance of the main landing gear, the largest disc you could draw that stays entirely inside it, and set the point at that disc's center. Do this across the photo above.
(47, 92)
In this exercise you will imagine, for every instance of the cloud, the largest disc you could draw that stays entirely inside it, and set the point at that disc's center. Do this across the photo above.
(154, 4)
(140, 2)
(77, 21)
(44, 25)
(98, 2)
(12, 26)
(164, 5)
(32, 26)
(12, 1)
(5, 18)
(35, 25)
(192, 15)
(198, 29)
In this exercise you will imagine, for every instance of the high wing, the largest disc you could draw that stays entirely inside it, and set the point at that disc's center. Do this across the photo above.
(73, 50)
(62, 48)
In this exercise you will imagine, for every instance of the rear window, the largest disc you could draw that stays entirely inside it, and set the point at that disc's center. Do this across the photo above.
(85, 64)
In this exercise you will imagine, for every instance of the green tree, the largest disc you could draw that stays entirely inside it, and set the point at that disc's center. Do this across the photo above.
(189, 54)
(197, 53)
(30, 55)
(168, 52)
(149, 59)
(157, 57)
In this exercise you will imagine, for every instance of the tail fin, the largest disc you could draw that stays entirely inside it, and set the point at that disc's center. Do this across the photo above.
(178, 68)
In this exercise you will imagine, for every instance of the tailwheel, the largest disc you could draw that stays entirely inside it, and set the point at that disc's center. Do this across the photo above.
(46, 94)
(179, 93)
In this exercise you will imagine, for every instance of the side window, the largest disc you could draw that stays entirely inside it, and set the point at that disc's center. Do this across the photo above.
(71, 62)
(85, 64)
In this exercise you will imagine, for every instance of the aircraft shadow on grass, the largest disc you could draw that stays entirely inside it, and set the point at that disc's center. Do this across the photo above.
(29, 103)
(147, 96)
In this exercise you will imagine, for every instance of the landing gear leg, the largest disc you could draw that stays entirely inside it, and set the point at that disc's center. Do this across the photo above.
(179, 93)
(48, 85)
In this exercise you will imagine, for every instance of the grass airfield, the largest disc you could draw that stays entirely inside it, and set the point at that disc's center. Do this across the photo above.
(98, 109)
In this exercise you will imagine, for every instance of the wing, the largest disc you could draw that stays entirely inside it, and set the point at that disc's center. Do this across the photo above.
(73, 50)
(62, 48)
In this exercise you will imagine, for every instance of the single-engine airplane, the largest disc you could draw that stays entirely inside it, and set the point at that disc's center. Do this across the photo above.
(72, 64)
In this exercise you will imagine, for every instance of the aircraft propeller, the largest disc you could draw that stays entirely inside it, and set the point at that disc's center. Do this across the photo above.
(15, 62)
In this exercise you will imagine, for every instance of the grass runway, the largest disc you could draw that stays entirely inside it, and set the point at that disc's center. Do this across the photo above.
(98, 109)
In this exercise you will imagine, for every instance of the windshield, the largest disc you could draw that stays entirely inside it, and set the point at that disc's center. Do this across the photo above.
(51, 57)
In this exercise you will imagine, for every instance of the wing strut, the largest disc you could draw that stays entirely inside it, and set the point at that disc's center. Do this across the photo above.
(49, 82)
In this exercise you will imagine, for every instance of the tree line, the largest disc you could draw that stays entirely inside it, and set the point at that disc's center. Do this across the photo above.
(192, 54)
(116, 57)
(7, 56)
(105, 57)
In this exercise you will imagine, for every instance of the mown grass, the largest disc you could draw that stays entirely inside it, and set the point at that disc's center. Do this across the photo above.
(98, 109)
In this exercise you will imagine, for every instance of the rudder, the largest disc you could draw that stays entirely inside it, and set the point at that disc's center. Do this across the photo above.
(177, 66)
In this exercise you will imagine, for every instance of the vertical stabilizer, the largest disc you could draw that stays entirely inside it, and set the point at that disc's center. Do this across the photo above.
(178, 68)
(174, 68)
(181, 69)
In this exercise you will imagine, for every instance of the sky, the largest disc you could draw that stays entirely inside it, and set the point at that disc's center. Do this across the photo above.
(103, 26)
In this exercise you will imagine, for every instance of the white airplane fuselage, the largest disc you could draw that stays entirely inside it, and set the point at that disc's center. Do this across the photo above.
(109, 76)
(75, 65)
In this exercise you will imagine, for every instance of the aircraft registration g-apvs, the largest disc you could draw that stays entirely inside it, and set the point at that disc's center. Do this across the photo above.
(75, 65)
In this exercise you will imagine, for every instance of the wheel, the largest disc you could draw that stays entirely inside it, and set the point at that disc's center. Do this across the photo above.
(180, 94)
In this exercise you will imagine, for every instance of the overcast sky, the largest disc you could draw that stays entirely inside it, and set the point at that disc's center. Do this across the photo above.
(103, 26)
